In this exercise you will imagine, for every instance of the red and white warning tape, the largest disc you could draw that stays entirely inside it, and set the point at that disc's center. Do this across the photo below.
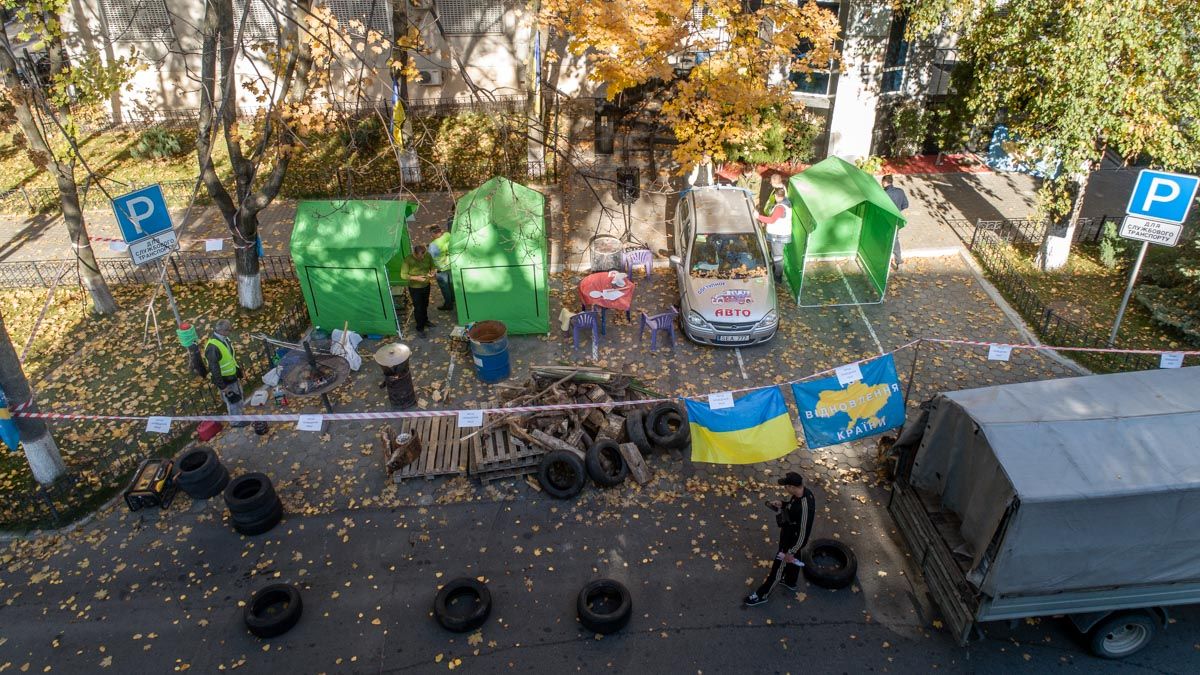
(411, 414)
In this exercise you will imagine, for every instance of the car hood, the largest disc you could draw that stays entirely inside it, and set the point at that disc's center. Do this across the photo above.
(732, 300)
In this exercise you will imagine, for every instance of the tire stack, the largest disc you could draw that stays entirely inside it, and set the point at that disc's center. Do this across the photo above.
(200, 473)
(666, 427)
(254, 508)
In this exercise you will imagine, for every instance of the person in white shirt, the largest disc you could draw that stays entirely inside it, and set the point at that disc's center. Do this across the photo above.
(779, 228)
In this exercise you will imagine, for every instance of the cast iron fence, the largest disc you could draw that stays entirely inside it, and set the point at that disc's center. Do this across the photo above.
(181, 269)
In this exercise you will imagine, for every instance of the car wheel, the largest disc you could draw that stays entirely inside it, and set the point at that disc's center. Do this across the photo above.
(273, 610)
(248, 492)
(462, 605)
(605, 464)
(635, 429)
(667, 426)
(829, 563)
(604, 606)
(1122, 635)
(196, 467)
(561, 474)
(253, 528)
(215, 486)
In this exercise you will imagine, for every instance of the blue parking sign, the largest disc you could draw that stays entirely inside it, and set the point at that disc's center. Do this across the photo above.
(142, 213)
(1162, 196)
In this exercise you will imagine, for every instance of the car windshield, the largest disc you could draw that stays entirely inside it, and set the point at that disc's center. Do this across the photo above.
(727, 256)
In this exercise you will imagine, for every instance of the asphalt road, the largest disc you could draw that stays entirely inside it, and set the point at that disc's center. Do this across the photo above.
(161, 593)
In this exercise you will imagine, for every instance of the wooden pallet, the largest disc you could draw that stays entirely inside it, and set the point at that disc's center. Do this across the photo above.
(443, 448)
(500, 455)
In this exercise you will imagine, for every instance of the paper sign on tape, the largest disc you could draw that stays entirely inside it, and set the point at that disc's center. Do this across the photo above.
(848, 374)
(999, 352)
(720, 400)
(470, 418)
(309, 423)
(213, 245)
(1171, 360)
(158, 425)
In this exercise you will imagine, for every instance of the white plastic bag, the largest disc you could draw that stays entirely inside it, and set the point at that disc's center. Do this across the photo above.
(271, 377)
(345, 345)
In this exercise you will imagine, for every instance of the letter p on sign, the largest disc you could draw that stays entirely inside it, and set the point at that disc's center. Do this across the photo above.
(1162, 196)
(139, 209)
(142, 213)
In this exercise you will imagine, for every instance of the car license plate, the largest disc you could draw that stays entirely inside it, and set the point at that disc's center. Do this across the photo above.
(733, 338)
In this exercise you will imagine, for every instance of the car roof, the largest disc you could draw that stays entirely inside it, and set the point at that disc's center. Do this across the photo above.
(722, 210)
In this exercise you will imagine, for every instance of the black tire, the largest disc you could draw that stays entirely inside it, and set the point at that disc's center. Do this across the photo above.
(263, 525)
(605, 464)
(561, 474)
(667, 426)
(273, 610)
(261, 513)
(829, 563)
(1122, 635)
(215, 486)
(248, 492)
(197, 466)
(604, 606)
(477, 605)
(635, 429)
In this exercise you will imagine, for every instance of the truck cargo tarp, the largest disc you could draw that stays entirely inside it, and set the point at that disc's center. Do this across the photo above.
(1102, 474)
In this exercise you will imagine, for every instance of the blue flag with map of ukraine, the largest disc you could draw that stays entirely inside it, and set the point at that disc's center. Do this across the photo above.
(832, 413)
(756, 429)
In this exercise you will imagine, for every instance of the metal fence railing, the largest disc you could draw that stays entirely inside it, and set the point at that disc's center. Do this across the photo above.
(180, 269)
(1031, 230)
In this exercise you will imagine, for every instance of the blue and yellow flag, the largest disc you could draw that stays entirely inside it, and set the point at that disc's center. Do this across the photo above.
(756, 429)
(833, 413)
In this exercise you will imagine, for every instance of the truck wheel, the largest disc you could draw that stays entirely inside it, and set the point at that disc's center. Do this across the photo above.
(561, 474)
(604, 606)
(605, 464)
(1121, 635)
(829, 563)
(462, 605)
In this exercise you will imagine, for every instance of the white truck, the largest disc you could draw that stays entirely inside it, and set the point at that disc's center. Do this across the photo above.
(1075, 497)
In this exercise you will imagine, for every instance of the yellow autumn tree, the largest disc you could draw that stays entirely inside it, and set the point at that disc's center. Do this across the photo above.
(748, 47)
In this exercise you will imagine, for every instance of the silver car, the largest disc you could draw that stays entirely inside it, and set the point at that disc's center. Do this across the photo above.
(726, 289)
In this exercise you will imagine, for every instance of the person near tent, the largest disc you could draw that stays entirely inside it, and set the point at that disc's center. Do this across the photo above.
(901, 201)
(778, 181)
(702, 173)
(223, 368)
(779, 228)
(795, 520)
(750, 181)
(418, 270)
(439, 248)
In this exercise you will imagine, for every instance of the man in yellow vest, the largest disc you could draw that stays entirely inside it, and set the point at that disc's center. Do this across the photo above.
(439, 248)
(223, 368)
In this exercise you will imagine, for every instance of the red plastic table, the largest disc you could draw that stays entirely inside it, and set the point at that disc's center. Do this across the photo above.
(603, 282)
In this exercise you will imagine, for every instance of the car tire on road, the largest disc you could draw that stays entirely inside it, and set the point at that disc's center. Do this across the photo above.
(561, 474)
(476, 605)
(266, 523)
(604, 606)
(199, 470)
(605, 464)
(215, 486)
(635, 429)
(667, 426)
(273, 610)
(249, 492)
(1122, 635)
(829, 563)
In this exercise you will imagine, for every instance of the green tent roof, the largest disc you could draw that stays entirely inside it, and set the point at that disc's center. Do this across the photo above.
(834, 185)
(335, 231)
(499, 218)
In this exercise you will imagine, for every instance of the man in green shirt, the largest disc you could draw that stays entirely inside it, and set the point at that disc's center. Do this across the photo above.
(749, 180)
(418, 270)
(440, 249)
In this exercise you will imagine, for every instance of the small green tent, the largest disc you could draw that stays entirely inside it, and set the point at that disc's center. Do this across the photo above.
(498, 257)
(347, 254)
(840, 212)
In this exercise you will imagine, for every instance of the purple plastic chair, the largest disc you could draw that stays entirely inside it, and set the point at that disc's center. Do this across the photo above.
(585, 321)
(656, 323)
(643, 257)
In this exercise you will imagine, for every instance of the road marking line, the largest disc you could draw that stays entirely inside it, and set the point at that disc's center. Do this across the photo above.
(741, 366)
(861, 313)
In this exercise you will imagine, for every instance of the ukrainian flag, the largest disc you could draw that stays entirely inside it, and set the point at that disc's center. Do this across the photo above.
(756, 429)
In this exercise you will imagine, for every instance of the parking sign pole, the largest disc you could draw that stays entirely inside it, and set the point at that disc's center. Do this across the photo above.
(1137, 267)
(166, 282)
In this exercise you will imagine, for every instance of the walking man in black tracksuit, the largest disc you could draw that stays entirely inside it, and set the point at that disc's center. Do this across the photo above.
(795, 519)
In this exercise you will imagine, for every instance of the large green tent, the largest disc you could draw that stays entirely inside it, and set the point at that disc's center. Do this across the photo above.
(347, 254)
(840, 212)
(498, 257)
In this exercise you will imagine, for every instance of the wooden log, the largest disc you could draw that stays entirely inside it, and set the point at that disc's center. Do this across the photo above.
(595, 419)
(575, 438)
(637, 466)
(598, 395)
(614, 427)
(546, 440)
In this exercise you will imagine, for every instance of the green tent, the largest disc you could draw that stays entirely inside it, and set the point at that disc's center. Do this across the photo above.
(347, 253)
(498, 257)
(840, 212)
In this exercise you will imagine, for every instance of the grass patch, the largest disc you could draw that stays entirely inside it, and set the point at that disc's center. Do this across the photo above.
(80, 363)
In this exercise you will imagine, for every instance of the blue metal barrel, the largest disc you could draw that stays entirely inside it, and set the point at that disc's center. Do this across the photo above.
(489, 351)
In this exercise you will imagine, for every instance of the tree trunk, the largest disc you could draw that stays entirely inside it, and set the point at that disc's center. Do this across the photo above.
(40, 449)
(1056, 250)
(249, 283)
(89, 269)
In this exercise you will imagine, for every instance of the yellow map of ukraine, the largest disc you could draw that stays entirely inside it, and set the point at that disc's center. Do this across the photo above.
(860, 402)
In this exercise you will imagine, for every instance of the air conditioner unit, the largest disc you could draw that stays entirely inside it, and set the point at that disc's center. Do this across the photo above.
(430, 78)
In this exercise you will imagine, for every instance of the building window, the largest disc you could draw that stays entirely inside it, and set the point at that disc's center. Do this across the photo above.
(816, 82)
(895, 60)
(136, 20)
(471, 17)
(375, 15)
